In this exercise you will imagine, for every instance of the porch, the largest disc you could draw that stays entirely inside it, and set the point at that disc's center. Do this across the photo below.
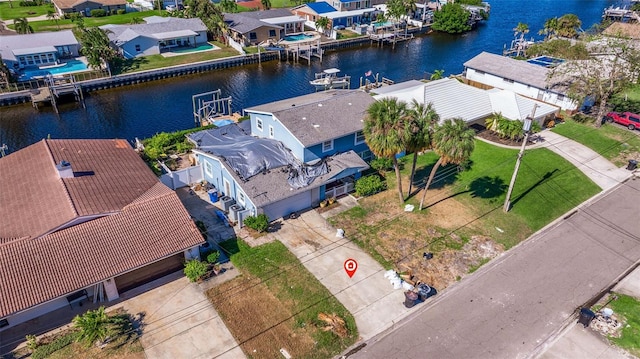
(339, 188)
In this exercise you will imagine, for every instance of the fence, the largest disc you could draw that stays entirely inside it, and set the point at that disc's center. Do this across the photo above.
(181, 178)
(339, 190)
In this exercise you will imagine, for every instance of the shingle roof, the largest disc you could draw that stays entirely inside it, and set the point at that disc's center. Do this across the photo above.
(38, 39)
(68, 4)
(244, 24)
(156, 29)
(320, 116)
(139, 220)
(505, 67)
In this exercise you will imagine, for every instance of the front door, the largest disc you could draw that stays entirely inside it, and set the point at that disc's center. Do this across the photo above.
(227, 188)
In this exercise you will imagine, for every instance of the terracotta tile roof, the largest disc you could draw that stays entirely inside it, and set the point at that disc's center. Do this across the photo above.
(68, 4)
(150, 226)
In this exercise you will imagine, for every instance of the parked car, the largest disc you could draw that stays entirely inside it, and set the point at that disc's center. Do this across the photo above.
(631, 120)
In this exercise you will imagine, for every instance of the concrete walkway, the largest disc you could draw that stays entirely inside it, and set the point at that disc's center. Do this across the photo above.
(604, 173)
(584, 343)
(369, 297)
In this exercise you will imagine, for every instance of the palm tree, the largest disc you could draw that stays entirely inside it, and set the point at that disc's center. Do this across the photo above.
(521, 29)
(266, 4)
(437, 75)
(96, 47)
(550, 28)
(385, 131)
(52, 15)
(94, 325)
(568, 25)
(423, 121)
(22, 26)
(322, 24)
(453, 141)
(228, 6)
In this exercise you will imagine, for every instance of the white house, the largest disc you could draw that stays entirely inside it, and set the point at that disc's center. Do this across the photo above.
(490, 70)
(38, 49)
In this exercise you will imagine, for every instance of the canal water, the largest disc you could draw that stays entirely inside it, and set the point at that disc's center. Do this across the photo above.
(145, 109)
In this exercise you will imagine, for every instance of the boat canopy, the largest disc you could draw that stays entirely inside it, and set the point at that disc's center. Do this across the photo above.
(332, 70)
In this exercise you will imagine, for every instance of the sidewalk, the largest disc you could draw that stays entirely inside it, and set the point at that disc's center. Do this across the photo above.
(370, 298)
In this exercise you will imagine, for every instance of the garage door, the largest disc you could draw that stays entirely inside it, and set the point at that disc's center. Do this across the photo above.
(286, 206)
(151, 272)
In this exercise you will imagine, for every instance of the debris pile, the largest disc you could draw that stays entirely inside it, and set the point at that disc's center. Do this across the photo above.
(334, 324)
(607, 323)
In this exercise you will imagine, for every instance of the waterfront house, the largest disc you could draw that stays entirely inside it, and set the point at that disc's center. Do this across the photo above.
(348, 5)
(494, 71)
(351, 18)
(157, 35)
(38, 49)
(313, 11)
(85, 6)
(451, 98)
(289, 155)
(254, 27)
(84, 220)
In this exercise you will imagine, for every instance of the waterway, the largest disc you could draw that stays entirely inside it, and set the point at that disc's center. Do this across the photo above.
(143, 110)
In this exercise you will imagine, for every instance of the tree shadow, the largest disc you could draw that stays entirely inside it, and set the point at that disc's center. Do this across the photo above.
(541, 181)
(120, 66)
(445, 175)
(487, 187)
(229, 246)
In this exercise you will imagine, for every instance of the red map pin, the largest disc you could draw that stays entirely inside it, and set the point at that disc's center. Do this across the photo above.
(350, 266)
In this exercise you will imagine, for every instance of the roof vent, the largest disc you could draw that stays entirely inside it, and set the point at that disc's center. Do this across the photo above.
(316, 126)
(304, 118)
(319, 105)
(64, 169)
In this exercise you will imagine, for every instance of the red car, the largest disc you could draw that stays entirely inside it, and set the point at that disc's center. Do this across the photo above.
(631, 120)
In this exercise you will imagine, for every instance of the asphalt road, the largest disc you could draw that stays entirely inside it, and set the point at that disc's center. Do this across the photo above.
(514, 306)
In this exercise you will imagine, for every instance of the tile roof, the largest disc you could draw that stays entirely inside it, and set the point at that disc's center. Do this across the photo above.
(68, 4)
(506, 67)
(320, 116)
(130, 219)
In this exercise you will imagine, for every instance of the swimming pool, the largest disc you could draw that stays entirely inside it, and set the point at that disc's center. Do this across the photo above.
(382, 24)
(298, 37)
(71, 66)
(203, 47)
(545, 61)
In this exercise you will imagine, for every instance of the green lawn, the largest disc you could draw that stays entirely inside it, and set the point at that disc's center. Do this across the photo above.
(629, 308)
(291, 284)
(633, 93)
(615, 143)
(158, 61)
(7, 12)
(62, 24)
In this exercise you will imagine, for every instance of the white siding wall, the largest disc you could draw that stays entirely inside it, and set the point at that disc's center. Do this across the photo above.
(496, 81)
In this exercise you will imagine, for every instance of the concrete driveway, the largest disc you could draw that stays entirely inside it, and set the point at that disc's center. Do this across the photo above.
(179, 322)
(369, 297)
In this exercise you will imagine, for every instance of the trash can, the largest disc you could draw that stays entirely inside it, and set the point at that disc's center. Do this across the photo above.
(586, 316)
(425, 291)
(410, 299)
(213, 195)
(633, 164)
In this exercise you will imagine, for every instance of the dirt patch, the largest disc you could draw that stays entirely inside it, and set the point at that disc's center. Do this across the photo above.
(493, 137)
(260, 322)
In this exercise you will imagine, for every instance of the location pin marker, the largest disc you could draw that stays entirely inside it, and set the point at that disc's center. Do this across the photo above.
(350, 266)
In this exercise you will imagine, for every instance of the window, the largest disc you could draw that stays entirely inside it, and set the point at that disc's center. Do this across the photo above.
(4, 323)
(271, 131)
(508, 80)
(208, 169)
(253, 36)
(359, 137)
(241, 199)
(560, 97)
(327, 146)
(272, 33)
(367, 156)
(259, 124)
(138, 48)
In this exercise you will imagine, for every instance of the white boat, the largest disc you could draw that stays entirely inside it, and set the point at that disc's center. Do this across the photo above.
(329, 78)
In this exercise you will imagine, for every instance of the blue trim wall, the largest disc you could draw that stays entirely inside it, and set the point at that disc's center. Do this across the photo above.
(218, 174)
(341, 144)
(281, 133)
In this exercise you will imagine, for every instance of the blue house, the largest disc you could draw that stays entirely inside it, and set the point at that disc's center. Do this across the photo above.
(289, 155)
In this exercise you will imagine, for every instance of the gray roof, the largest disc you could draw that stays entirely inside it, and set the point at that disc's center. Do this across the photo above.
(120, 34)
(243, 24)
(320, 116)
(20, 43)
(506, 67)
(264, 14)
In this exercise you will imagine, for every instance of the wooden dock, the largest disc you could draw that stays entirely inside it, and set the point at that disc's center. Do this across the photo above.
(55, 88)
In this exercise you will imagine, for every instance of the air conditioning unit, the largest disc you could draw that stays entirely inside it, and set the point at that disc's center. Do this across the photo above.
(226, 202)
(234, 212)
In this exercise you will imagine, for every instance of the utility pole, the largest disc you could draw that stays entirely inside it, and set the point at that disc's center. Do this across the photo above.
(526, 126)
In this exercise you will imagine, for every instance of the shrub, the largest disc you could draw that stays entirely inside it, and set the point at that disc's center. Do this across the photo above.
(213, 257)
(369, 185)
(194, 269)
(582, 118)
(620, 104)
(31, 3)
(32, 342)
(382, 164)
(259, 223)
(121, 12)
(44, 351)
(98, 12)
(94, 325)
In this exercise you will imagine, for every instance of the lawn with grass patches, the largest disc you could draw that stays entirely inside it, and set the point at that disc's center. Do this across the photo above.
(629, 308)
(50, 25)
(275, 303)
(9, 13)
(158, 61)
(615, 143)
